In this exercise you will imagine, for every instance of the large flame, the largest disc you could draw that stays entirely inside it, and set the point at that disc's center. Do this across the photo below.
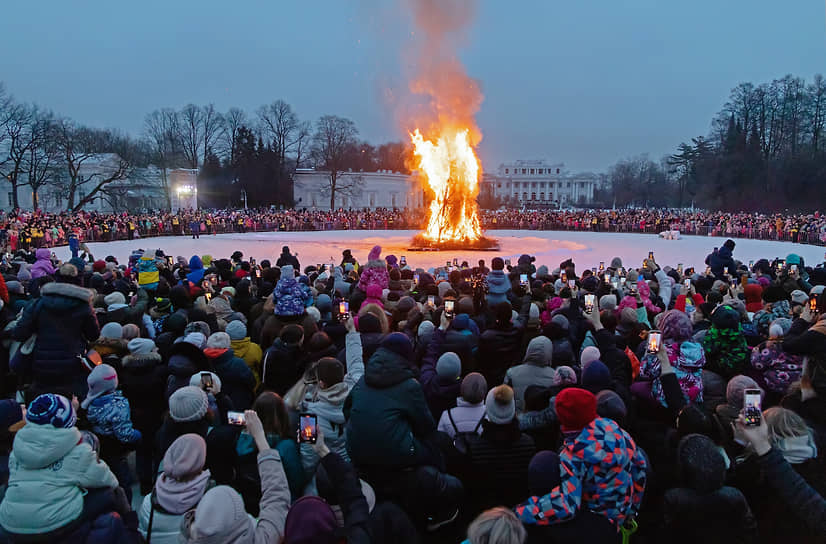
(452, 172)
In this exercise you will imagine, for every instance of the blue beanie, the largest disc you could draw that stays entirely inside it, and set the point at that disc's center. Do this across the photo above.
(399, 343)
(52, 409)
(324, 304)
(596, 377)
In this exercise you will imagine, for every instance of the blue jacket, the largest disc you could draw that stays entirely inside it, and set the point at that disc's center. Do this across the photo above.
(498, 286)
(196, 270)
(109, 415)
(237, 380)
(719, 259)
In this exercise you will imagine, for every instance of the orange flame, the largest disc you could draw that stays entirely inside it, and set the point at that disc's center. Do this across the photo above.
(452, 172)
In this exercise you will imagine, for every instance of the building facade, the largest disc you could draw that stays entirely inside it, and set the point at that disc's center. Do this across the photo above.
(382, 189)
(540, 184)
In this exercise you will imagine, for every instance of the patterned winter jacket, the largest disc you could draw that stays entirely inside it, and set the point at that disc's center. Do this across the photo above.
(375, 273)
(688, 360)
(148, 275)
(109, 415)
(776, 369)
(602, 471)
(289, 297)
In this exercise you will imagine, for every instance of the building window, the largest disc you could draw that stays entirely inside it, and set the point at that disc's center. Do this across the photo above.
(540, 171)
(506, 170)
(516, 185)
(393, 200)
(524, 170)
(569, 185)
(533, 185)
(533, 196)
(508, 185)
(524, 196)
(557, 170)
(542, 196)
(372, 200)
(531, 171)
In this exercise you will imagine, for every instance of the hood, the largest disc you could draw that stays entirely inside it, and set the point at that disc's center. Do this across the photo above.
(498, 282)
(329, 403)
(691, 356)
(63, 297)
(38, 446)
(146, 360)
(42, 254)
(195, 263)
(241, 346)
(180, 365)
(540, 351)
(386, 369)
(590, 446)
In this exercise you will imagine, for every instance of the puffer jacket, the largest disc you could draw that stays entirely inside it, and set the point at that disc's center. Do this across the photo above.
(688, 359)
(534, 370)
(374, 273)
(328, 406)
(440, 393)
(289, 297)
(49, 469)
(109, 415)
(498, 287)
(251, 353)
(65, 323)
(389, 416)
(148, 275)
(43, 265)
(141, 377)
(719, 259)
(775, 370)
(196, 270)
(283, 366)
(602, 471)
(237, 380)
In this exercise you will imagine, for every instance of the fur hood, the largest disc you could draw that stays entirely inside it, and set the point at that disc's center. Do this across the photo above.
(67, 290)
(142, 360)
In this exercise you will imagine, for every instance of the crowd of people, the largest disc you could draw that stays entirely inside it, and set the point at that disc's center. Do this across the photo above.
(22, 230)
(233, 400)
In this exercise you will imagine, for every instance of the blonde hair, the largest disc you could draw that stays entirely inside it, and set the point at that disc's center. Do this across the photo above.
(784, 423)
(496, 526)
(376, 311)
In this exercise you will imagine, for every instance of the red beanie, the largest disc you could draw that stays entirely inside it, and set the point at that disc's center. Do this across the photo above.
(99, 266)
(575, 408)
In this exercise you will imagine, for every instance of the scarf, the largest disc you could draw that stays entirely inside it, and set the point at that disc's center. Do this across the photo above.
(797, 449)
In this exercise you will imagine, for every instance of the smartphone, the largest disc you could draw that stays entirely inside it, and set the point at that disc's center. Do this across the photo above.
(213, 280)
(601, 266)
(308, 428)
(403, 260)
(622, 280)
(206, 380)
(751, 264)
(794, 269)
(725, 271)
(564, 277)
(687, 283)
(607, 278)
(654, 340)
(170, 261)
(708, 271)
(252, 261)
(236, 418)
(507, 262)
(572, 284)
(594, 271)
(813, 303)
(752, 407)
(343, 310)
(449, 309)
(781, 263)
(416, 279)
(651, 255)
(589, 303)
(523, 280)
(680, 268)
(431, 301)
(208, 296)
(455, 261)
(258, 273)
(318, 267)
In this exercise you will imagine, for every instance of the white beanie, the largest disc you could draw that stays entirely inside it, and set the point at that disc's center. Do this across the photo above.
(219, 340)
(188, 404)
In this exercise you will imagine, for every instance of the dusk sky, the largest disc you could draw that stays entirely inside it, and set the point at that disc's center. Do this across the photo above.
(586, 82)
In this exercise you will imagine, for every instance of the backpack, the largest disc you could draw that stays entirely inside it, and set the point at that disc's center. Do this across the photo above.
(462, 440)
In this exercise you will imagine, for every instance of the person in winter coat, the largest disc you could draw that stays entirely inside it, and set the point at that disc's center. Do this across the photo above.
(327, 399)
(148, 275)
(185, 359)
(499, 285)
(64, 322)
(375, 271)
(389, 421)
(188, 413)
(535, 370)
(238, 381)
(289, 296)
(287, 259)
(43, 264)
(196, 270)
(220, 515)
(602, 469)
(142, 376)
(500, 346)
(244, 348)
(726, 350)
(341, 286)
(498, 458)
(177, 490)
(686, 357)
(52, 472)
(703, 508)
(722, 258)
(469, 410)
(774, 369)
(285, 361)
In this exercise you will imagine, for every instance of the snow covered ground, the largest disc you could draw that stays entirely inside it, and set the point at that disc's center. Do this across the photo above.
(550, 248)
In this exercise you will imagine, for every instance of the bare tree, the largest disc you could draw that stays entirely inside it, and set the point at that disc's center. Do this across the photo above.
(817, 112)
(16, 141)
(43, 158)
(190, 134)
(93, 159)
(304, 133)
(333, 138)
(212, 129)
(161, 128)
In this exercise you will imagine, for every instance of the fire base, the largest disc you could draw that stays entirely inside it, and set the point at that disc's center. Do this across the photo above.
(420, 243)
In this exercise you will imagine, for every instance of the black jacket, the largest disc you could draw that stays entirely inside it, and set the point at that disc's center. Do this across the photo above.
(722, 516)
(283, 365)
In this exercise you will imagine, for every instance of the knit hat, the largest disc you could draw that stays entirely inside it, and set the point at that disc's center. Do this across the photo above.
(628, 317)
(219, 517)
(311, 521)
(198, 326)
(141, 346)
(236, 330)
(163, 305)
(374, 254)
(596, 377)
(701, 464)
(575, 408)
(816, 290)
(287, 271)
(562, 321)
(676, 325)
(565, 375)
(449, 366)
(196, 339)
(631, 277)
(112, 330)
(188, 403)
(616, 263)
(52, 409)
(608, 302)
(799, 297)
(543, 473)
(725, 317)
(500, 407)
(195, 380)
(184, 480)
(114, 298)
(473, 388)
(99, 266)
(425, 330)
(735, 390)
(219, 340)
(588, 355)
(398, 343)
(611, 405)
(102, 379)
(17, 288)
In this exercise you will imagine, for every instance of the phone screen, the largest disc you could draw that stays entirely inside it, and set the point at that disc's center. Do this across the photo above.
(523, 279)
(206, 380)
(752, 407)
(572, 284)
(654, 339)
(607, 278)
(601, 265)
(236, 418)
(449, 305)
(589, 303)
(257, 272)
(404, 260)
(344, 307)
(208, 296)
(687, 283)
(415, 278)
(170, 260)
(650, 254)
(308, 428)
(431, 300)
(813, 303)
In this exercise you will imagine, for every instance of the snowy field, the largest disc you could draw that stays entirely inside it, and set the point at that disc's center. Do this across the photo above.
(550, 248)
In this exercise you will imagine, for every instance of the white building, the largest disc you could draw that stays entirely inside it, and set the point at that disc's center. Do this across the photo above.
(539, 183)
(382, 189)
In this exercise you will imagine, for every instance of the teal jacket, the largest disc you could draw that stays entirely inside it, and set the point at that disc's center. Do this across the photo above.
(287, 449)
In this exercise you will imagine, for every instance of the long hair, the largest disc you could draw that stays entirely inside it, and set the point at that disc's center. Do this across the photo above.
(378, 313)
(496, 526)
(784, 423)
(273, 413)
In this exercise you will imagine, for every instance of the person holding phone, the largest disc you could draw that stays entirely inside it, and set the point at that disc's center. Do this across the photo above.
(499, 285)
(220, 513)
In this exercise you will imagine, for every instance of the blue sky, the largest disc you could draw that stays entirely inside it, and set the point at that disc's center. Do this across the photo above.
(585, 82)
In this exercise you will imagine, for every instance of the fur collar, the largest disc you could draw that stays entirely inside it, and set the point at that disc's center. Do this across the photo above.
(67, 290)
(145, 359)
